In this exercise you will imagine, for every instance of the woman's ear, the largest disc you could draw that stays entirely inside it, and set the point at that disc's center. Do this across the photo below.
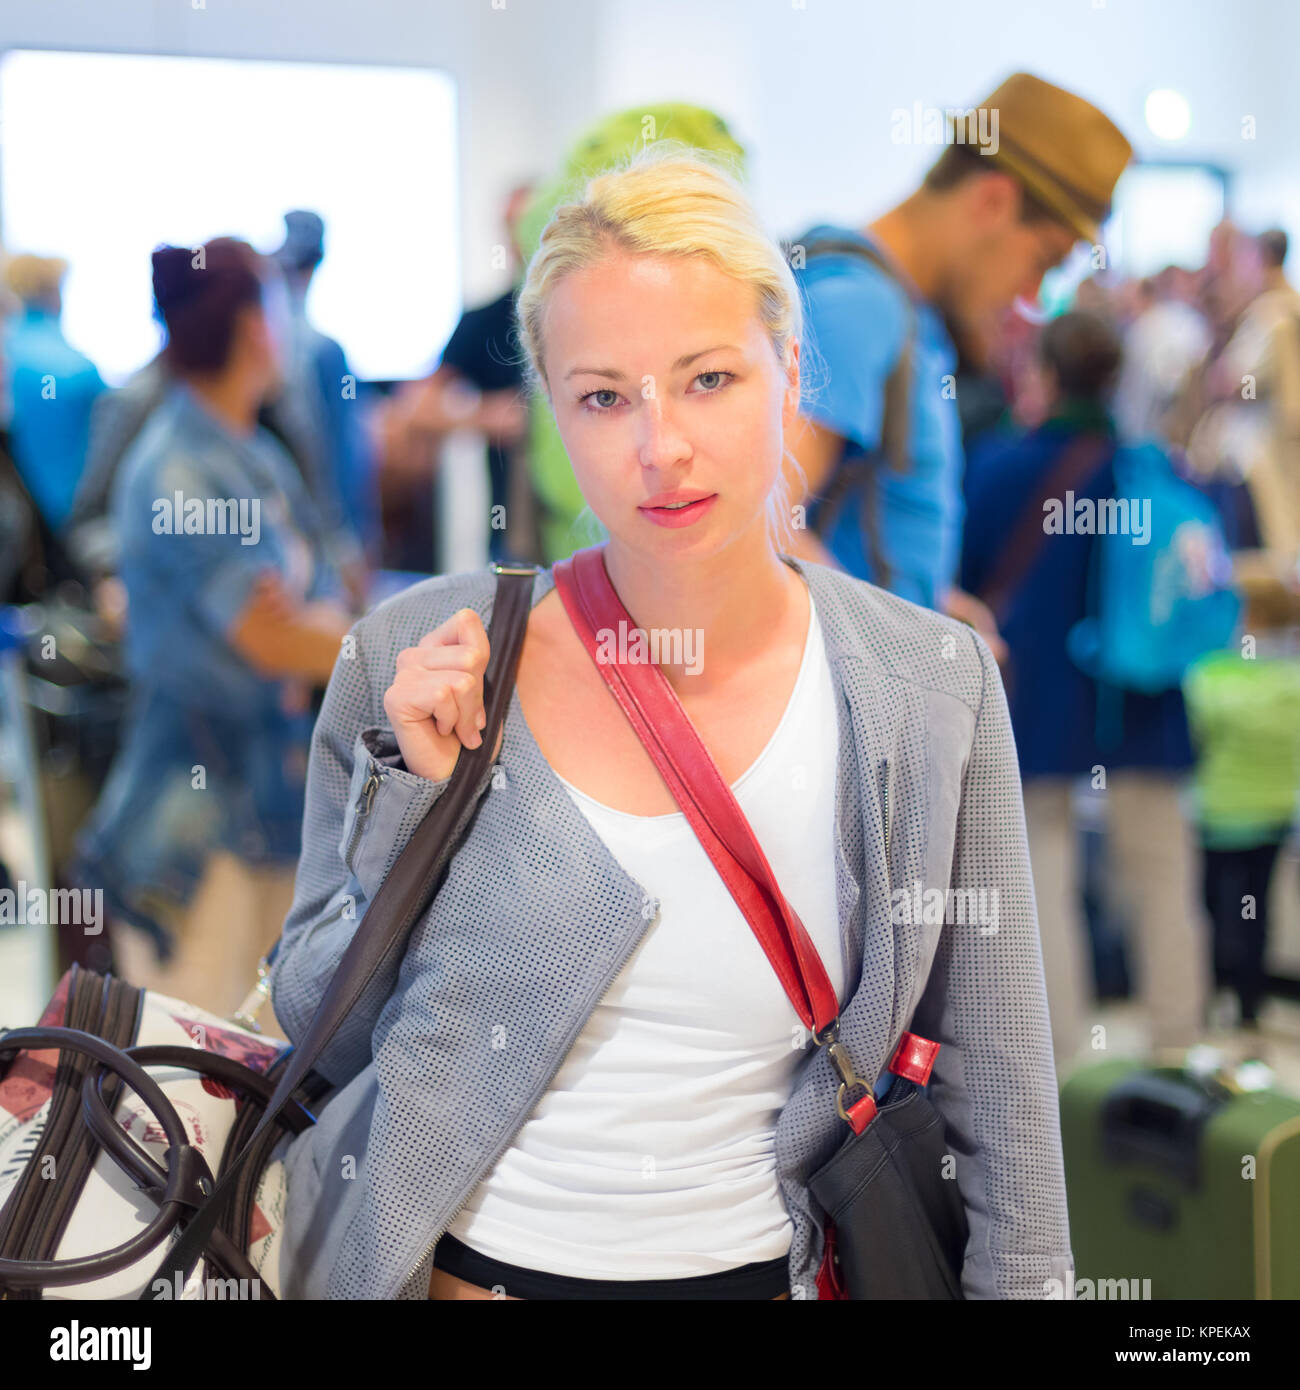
(790, 406)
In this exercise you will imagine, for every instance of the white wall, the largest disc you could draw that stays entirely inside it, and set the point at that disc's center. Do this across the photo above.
(809, 85)
(522, 70)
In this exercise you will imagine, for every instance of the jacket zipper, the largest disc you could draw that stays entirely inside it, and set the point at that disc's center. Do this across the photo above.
(364, 803)
(527, 1110)
(888, 866)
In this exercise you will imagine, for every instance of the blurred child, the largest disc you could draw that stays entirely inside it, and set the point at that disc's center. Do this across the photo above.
(1244, 712)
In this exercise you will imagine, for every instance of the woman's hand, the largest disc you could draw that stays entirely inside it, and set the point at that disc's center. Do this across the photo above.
(435, 703)
(281, 637)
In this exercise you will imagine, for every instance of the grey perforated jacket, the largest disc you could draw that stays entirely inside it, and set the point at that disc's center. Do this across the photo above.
(443, 1062)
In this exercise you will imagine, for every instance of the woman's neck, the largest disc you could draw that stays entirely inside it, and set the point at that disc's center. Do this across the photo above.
(737, 601)
(228, 397)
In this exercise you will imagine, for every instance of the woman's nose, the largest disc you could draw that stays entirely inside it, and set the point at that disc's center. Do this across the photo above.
(661, 443)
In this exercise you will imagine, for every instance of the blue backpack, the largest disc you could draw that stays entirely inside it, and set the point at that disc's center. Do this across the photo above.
(1161, 579)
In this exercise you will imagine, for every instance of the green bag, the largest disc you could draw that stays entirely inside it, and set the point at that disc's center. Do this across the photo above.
(1179, 1185)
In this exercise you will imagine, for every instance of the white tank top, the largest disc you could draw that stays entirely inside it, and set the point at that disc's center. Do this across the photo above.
(651, 1155)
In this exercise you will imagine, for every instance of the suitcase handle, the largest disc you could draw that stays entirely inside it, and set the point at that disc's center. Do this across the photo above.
(1156, 1120)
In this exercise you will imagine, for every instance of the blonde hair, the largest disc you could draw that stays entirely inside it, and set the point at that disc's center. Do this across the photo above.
(667, 199)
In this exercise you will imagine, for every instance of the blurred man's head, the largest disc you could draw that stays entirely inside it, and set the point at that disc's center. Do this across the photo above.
(1009, 240)
(1272, 248)
(302, 251)
(1079, 353)
(1016, 203)
(37, 281)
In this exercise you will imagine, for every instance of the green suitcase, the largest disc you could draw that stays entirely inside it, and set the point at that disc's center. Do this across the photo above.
(1180, 1186)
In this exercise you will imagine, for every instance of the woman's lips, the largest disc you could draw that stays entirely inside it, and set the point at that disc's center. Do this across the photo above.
(679, 516)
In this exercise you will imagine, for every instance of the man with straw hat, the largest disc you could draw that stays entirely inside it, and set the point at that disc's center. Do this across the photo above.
(1024, 175)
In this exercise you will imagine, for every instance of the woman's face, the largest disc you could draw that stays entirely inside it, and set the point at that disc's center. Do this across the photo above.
(666, 389)
(266, 329)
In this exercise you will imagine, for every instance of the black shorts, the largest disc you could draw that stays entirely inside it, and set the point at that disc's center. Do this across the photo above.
(767, 1279)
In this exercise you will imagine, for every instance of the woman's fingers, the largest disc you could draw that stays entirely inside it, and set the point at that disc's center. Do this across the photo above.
(451, 699)
(435, 702)
(453, 657)
(462, 633)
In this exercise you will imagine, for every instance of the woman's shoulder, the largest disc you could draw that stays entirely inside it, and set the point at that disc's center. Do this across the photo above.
(175, 449)
(892, 636)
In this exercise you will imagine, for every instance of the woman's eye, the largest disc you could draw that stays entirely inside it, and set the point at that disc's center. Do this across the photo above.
(603, 401)
(714, 381)
(603, 405)
(719, 378)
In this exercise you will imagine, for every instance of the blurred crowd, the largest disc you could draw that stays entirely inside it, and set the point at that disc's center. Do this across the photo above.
(1202, 365)
(201, 639)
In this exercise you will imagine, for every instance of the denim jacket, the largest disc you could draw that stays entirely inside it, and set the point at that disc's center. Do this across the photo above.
(196, 704)
(443, 1061)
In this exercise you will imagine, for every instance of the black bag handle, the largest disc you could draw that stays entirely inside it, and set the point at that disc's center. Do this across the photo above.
(401, 901)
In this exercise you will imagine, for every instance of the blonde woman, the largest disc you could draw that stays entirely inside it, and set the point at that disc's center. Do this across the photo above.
(585, 1079)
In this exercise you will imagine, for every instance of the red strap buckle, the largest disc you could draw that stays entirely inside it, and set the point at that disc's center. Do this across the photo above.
(913, 1058)
(860, 1114)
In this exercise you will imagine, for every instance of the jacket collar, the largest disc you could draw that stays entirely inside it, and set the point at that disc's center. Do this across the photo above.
(843, 636)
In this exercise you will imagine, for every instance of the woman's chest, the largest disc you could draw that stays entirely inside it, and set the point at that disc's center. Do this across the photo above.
(701, 955)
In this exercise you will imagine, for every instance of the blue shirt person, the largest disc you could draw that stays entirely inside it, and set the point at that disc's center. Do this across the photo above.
(320, 392)
(213, 753)
(53, 387)
(1004, 202)
(1053, 704)
(858, 320)
(321, 400)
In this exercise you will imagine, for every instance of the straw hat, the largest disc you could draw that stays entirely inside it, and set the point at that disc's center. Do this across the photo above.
(1060, 147)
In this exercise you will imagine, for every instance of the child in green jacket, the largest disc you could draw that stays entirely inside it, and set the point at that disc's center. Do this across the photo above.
(1244, 713)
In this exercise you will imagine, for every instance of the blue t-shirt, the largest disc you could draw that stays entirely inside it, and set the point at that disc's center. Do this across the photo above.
(53, 388)
(856, 324)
